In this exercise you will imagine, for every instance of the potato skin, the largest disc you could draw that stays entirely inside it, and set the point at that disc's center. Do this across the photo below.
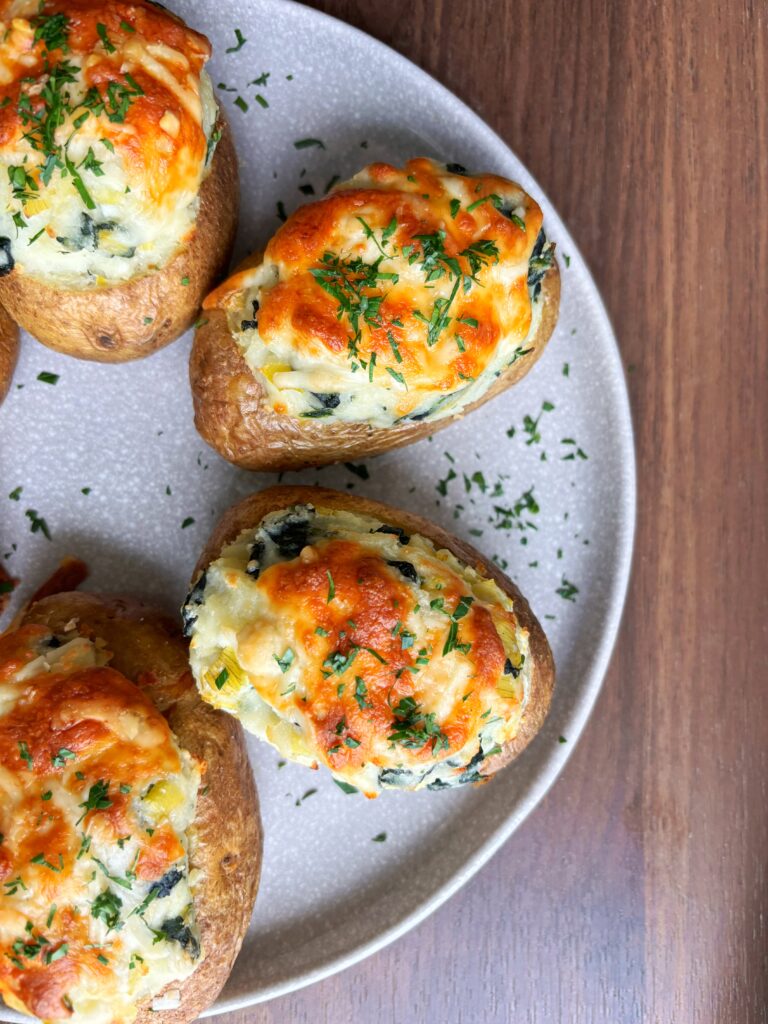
(9, 351)
(108, 324)
(251, 510)
(231, 415)
(148, 648)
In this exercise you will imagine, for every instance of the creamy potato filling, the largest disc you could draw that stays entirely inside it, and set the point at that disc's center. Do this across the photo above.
(342, 641)
(96, 811)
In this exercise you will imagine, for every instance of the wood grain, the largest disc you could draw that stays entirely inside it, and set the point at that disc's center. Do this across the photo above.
(637, 891)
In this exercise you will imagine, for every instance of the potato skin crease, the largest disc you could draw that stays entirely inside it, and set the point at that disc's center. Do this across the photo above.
(148, 648)
(9, 351)
(133, 319)
(233, 417)
(249, 512)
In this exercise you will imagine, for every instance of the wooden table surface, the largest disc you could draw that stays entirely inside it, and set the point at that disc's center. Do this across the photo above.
(637, 891)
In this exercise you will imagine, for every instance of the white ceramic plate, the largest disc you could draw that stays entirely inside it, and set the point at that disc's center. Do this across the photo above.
(330, 894)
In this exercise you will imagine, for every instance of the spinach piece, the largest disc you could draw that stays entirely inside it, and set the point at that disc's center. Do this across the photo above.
(163, 886)
(405, 569)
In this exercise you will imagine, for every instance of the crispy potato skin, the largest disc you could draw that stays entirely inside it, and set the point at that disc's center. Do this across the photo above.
(252, 509)
(148, 648)
(231, 415)
(108, 324)
(9, 351)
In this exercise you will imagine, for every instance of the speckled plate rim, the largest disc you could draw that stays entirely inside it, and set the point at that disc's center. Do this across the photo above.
(593, 678)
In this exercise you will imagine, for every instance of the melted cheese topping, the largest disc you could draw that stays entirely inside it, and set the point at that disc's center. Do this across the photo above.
(400, 296)
(343, 642)
(107, 127)
(97, 802)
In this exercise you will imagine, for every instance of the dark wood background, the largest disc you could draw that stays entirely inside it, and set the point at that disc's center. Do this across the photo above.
(637, 890)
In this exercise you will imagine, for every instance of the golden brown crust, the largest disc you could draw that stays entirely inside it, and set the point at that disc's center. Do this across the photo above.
(251, 510)
(232, 417)
(148, 648)
(9, 351)
(108, 324)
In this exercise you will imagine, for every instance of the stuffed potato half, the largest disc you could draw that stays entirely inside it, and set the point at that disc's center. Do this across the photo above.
(405, 298)
(131, 840)
(118, 178)
(353, 635)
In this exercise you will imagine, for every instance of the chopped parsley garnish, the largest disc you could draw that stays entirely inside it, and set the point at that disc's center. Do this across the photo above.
(361, 693)
(577, 453)
(54, 104)
(380, 838)
(39, 525)
(127, 882)
(308, 143)
(108, 45)
(455, 207)
(509, 518)
(106, 907)
(492, 198)
(345, 787)
(261, 101)
(354, 284)
(40, 859)
(97, 799)
(414, 728)
(241, 41)
(331, 586)
(337, 663)
(561, 739)
(48, 378)
(53, 31)
(286, 660)
(15, 493)
(567, 590)
(25, 755)
(442, 485)
(319, 631)
(241, 103)
(221, 678)
(187, 522)
(13, 886)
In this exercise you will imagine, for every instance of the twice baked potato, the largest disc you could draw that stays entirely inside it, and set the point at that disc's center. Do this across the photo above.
(376, 315)
(354, 635)
(9, 351)
(118, 178)
(131, 841)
